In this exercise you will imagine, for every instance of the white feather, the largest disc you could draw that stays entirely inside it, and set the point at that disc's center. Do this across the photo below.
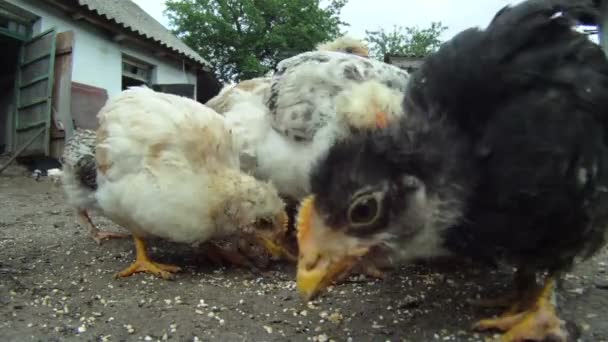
(169, 168)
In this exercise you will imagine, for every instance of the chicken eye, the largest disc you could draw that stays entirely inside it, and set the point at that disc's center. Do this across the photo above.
(365, 210)
(263, 223)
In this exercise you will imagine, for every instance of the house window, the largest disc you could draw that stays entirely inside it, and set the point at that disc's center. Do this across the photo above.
(135, 72)
(13, 26)
(15, 21)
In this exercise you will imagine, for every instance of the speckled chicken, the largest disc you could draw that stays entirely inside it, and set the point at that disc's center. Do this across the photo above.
(78, 179)
(346, 44)
(285, 122)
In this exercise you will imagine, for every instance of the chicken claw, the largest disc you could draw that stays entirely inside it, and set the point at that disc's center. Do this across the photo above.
(371, 270)
(105, 235)
(85, 220)
(143, 264)
(539, 322)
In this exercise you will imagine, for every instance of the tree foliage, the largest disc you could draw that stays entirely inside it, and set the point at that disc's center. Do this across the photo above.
(247, 38)
(409, 41)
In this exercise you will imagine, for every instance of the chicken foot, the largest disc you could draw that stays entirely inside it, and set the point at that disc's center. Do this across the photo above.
(535, 321)
(143, 263)
(84, 220)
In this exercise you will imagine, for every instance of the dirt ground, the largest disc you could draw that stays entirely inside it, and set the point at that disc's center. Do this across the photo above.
(56, 284)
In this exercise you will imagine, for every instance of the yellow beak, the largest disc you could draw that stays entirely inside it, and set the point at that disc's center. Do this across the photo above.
(275, 246)
(311, 281)
(319, 267)
(276, 250)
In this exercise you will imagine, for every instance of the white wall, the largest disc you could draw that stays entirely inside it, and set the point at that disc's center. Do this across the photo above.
(98, 59)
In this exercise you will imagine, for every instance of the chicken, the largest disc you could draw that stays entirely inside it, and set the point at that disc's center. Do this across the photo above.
(283, 123)
(260, 86)
(167, 168)
(78, 179)
(281, 135)
(346, 44)
(502, 156)
(296, 102)
(233, 94)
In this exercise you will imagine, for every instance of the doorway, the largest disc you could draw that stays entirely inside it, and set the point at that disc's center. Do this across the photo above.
(8, 72)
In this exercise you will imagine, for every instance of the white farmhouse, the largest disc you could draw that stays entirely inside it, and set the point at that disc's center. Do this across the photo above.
(62, 59)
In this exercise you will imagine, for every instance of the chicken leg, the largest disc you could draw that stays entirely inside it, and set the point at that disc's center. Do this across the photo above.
(143, 264)
(84, 220)
(536, 320)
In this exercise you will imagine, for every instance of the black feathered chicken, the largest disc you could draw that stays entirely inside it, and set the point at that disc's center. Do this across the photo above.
(502, 156)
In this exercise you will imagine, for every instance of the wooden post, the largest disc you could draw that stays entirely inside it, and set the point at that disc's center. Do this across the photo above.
(63, 81)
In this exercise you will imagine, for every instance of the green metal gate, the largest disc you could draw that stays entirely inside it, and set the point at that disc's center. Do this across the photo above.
(34, 92)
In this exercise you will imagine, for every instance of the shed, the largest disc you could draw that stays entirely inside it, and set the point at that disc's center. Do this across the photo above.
(408, 63)
(63, 59)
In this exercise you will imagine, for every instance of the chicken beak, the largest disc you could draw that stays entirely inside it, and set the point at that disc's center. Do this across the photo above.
(319, 268)
(278, 250)
(313, 278)
(276, 246)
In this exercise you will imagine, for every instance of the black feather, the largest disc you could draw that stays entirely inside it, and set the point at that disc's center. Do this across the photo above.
(86, 171)
(509, 125)
(532, 94)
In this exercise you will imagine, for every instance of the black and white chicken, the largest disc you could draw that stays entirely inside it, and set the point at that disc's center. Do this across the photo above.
(502, 156)
(284, 124)
(78, 179)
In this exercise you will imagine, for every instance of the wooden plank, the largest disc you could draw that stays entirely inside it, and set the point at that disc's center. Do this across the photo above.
(87, 100)
(63, 127)
(61, 52)
(34, 81)
(31, 125)
(47, 133)
(33, 103)
(40, 36)
(35, 59)
(17, 102)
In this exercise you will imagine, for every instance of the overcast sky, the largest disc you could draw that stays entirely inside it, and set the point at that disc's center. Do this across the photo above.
(364, 15)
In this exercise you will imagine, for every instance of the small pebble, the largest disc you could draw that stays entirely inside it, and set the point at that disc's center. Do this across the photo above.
(322, 338)
(129, 328)
(601, 283)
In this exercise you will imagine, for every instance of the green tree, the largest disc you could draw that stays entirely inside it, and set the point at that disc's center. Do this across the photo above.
(247, 38)
(409, 41)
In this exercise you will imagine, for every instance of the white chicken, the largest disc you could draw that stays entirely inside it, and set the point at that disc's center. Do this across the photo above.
(78, 179)
(168, 168)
